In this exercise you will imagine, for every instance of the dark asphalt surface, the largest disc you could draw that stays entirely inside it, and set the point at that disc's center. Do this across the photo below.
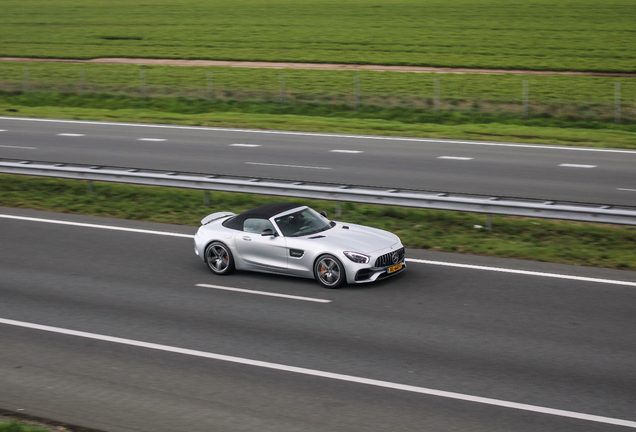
(555, 343)
(598, 176)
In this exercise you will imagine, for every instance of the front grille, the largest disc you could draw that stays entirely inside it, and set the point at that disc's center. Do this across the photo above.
(387, 259)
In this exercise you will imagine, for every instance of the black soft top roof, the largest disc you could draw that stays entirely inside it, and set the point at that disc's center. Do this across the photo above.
(262, 212)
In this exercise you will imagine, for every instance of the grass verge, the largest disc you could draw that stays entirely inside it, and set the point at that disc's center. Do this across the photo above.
(387, 121)
(512, 237)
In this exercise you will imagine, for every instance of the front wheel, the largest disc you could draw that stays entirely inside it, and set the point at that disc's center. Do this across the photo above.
(219, 258)
(329, 271)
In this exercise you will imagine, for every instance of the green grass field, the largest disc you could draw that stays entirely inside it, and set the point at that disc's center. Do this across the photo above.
(581, 35)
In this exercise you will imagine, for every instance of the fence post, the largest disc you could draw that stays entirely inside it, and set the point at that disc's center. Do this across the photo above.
(210, 86)
(526, 98)
(82, 72)
(617, 102)
(142, 82)
(282, 88)
(27, 84)
(436, 101)
(356, 90)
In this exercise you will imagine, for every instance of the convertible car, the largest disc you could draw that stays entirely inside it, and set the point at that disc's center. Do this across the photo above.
(295, 240)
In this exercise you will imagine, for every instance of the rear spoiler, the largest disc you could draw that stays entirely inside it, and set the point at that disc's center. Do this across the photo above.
(214, 216)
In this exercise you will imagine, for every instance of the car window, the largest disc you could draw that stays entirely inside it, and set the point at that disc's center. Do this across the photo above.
(256, 225)
(303, 222)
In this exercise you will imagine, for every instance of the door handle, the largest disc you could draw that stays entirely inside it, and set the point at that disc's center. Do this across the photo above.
(246, 238)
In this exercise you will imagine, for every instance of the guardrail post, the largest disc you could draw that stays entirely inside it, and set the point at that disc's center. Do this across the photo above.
(206, 198)
(89, 187)
(489, 222)
(338, 209)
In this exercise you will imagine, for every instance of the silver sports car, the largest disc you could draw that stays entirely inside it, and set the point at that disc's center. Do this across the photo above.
(295, 240)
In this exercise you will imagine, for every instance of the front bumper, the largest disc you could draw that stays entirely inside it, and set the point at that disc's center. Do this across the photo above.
(375, 274)
(387, 263)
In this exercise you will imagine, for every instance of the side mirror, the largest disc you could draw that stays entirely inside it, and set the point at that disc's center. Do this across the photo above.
(323, 214)
(268, 232)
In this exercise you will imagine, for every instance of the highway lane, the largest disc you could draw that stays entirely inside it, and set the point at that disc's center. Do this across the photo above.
(548, 342)
(546, 172)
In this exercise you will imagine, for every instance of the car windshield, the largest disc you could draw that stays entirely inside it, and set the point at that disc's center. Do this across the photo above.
(303, 222)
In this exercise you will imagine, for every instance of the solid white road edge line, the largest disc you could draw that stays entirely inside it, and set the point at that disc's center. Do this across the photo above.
(523, 272)
(107, 227)
(486, 143)
(420, 261)
(264, 293)
(323, 374)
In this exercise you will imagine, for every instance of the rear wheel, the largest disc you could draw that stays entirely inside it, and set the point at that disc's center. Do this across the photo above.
(329, 271)
(219, 258)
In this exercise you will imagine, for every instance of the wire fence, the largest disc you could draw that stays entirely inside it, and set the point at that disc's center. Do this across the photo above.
(534, 96)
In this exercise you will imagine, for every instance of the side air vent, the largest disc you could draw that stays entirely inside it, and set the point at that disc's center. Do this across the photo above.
(296, 253)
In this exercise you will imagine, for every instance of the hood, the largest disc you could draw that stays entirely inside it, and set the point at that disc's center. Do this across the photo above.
(357, 238)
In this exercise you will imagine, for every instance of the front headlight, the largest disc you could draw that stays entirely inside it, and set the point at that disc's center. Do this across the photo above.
(357, 257)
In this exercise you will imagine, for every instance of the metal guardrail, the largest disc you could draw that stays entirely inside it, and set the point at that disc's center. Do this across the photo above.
(584, 212)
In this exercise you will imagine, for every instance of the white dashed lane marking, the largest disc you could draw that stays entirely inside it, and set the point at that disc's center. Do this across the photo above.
(455, 158)
(577, 166)
(264, 293)
(71, 135)
(245, 145)
(151, 139)
(346, 151)
(287, 166)
(626, 190)
(19, 147)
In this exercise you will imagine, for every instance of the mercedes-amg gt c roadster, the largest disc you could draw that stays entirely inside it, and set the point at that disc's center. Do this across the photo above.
(295, 240)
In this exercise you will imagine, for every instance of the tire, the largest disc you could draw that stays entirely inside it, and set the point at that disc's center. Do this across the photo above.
(219, 258)
(329, 271)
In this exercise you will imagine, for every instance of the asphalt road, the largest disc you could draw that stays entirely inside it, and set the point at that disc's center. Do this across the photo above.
(602, 176)
(548, 342)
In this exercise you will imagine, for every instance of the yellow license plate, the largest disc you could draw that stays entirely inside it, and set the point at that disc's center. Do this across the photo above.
(394, 268)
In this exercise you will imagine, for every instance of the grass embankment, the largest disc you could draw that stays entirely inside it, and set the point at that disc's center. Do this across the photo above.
(22, 427)
(534, 239)
(571, 110)
(584, 35)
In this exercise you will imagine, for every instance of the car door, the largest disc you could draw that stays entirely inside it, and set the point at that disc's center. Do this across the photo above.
(266, 252)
